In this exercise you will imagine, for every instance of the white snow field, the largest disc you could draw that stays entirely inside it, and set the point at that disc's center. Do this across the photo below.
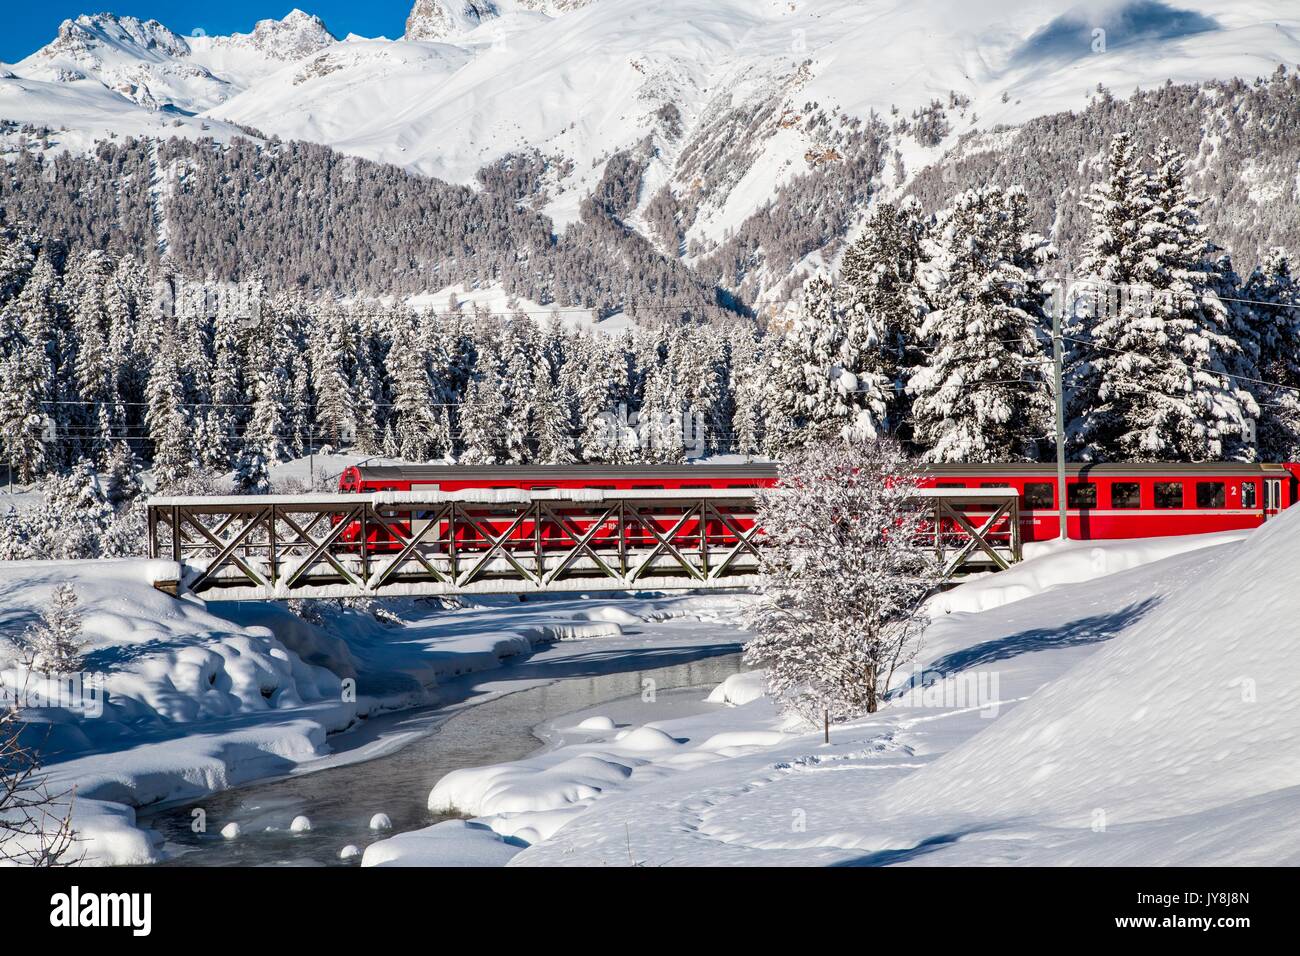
(1148, 716)
(201, 698)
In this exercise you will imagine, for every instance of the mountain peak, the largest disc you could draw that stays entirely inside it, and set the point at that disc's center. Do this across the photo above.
(295, 36)
(447, 19)
(81, 38)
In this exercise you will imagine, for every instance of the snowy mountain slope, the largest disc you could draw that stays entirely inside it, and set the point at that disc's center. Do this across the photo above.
(725, 101)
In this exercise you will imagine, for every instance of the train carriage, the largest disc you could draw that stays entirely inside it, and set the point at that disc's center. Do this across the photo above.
(1103, 501)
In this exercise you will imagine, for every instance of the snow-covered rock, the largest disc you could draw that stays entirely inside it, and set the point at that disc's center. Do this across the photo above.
(450, 843)
(738, 689)
(381, 821)
(597, 723)
(300, 824)
(231, 831)
(350, 852)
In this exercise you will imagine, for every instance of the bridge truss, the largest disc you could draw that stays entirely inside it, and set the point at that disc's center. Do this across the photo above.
(263, 547)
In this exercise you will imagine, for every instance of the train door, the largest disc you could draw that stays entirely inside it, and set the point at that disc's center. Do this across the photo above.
(1272, 497)
(420, 518)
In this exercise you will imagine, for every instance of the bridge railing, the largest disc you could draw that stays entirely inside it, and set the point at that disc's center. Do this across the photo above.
(512, 541)
(472, 542)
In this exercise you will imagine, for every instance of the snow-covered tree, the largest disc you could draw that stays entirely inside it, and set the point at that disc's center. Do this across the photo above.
(747, 384)
(552, 422)
(1270, 316)
(982, 393)
(268, 363)
(418, 418)
(55, 643)
(881, 297)
(1156, 383)
(481, 423)
(818, 390)
(122, 474)
(170, 432)
(845, 572)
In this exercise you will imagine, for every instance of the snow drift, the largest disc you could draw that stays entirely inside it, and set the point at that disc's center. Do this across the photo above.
(1194, 706)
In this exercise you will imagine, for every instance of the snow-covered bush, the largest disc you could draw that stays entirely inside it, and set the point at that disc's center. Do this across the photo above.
(844, 577)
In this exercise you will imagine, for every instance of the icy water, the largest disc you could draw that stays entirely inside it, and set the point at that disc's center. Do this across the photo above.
(340, 801)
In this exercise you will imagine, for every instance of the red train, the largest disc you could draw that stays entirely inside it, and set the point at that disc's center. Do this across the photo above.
(1103, 501)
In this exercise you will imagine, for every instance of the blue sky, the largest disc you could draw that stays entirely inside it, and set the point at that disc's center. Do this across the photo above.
(25, 26)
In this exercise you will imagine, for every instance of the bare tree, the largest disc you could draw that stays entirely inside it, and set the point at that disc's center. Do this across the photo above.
(35, 823)
(845, 574)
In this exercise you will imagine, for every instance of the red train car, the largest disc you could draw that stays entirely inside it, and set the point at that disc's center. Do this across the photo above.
(1103, 501)
(1145, 500)
(629, 478)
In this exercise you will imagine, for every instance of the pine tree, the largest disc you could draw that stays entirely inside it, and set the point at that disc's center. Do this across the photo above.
(1113, 254)
(122, 479)
(55, 644)
(747, 385)
(169, 428)
(482, 415)
(1161, 357)
(86, 288)
(418, 417)
(982, 395)
(223, 416)
(268, 371)
(822, 395)
(551, 423)
(881, 297)
(1271, 313)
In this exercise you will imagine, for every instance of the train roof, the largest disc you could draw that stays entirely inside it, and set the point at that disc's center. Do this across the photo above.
(1105, 469)
(769, 470)
(561, 472)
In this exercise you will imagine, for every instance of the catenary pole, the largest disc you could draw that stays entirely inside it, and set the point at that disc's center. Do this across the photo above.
(1060, 417)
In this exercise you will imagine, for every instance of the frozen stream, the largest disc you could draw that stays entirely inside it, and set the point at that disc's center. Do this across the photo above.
(341, 800)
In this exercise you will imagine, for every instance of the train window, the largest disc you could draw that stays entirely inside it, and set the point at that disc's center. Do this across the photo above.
(1210, 494)
(1248, 492)
(1039, 494)
(1082, 495)
(995, 484)
(1125, 494)
(950, 484)
(1169, 494)
(647, 487)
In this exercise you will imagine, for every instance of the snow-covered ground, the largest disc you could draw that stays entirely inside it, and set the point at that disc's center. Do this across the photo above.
(1146, 716)
(1101, 703)
(197, 698)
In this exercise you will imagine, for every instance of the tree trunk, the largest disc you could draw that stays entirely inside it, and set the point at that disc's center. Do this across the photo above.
(826, 725)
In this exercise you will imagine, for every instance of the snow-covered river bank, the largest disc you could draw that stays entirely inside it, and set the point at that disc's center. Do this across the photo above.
(341, 801)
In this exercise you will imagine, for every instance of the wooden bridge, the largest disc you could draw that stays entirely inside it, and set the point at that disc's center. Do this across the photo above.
(508, 541)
